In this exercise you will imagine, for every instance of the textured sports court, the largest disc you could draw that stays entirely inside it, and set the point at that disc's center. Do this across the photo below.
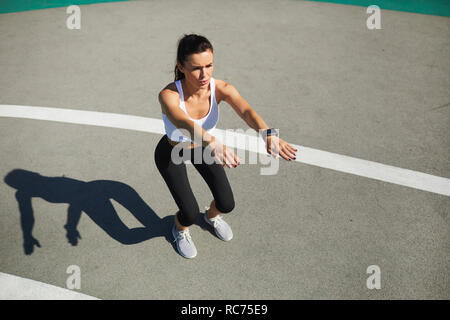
(368, 110)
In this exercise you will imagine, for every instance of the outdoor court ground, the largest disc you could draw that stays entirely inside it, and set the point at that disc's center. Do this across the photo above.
(367, 109)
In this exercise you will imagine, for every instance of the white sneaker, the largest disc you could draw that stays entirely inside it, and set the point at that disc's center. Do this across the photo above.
(185, 245)
(222, 229)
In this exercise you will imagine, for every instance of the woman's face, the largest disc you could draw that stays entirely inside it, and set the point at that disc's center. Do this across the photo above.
(198, 68)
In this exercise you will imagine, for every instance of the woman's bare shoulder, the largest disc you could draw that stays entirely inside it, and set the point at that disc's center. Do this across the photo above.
(170, 88)
(168, 96)
(221, 84)
(169, 92)
(222, 88)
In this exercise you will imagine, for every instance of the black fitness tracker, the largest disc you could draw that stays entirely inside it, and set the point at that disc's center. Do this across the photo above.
(269, 132)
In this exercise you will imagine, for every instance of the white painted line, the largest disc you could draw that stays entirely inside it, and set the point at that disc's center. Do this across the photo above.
(93, 118)
(324, 159)
(17, 288)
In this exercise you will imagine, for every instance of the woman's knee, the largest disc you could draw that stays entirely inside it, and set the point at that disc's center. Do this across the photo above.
(225, 206)
(188, 216)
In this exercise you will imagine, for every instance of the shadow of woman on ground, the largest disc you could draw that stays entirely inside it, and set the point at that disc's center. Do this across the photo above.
(93, 198)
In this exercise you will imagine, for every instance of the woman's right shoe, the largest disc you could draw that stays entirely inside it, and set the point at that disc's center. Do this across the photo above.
(185, 245)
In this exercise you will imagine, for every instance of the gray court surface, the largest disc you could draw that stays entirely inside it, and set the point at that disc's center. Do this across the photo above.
(314, 71)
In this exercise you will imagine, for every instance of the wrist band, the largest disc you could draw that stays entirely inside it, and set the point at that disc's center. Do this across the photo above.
(270, 132)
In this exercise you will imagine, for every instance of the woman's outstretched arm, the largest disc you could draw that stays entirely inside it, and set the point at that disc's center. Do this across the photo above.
(274, 144)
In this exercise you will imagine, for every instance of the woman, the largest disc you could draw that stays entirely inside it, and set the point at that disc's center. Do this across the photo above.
(190, 105)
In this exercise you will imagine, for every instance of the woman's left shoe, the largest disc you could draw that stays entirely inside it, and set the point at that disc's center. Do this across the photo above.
(222, 229)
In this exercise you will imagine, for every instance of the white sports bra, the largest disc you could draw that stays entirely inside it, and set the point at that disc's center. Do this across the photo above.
(208, 122)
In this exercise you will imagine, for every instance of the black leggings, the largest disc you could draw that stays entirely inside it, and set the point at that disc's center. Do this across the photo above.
(176, 179)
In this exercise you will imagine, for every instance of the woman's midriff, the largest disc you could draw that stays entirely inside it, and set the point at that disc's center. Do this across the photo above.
(174, 143)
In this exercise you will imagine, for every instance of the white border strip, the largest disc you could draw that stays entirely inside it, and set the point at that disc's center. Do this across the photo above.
(324, 159)
(18, 288)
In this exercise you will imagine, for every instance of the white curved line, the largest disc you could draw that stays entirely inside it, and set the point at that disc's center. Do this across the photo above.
(324, 159)
(18, 288)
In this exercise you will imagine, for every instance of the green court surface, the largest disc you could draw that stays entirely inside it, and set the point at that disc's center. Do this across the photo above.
(434, 7)
(7, 6)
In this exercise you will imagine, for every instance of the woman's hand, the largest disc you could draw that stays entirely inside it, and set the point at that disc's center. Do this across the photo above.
(223, 155)
(277, 146)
